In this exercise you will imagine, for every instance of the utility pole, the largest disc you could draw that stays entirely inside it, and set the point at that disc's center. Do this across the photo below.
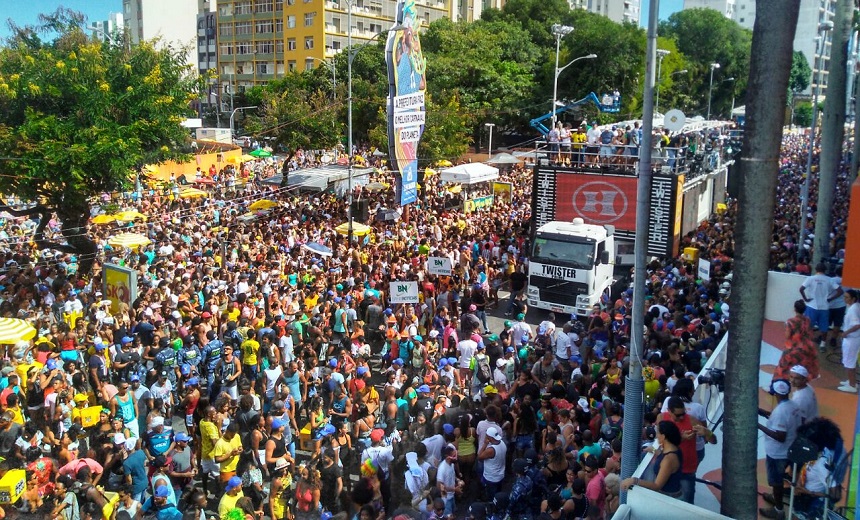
(832, 129)
(634, 387)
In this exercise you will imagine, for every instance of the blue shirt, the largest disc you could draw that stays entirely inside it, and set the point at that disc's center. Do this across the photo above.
(134, 466)
(158, 443)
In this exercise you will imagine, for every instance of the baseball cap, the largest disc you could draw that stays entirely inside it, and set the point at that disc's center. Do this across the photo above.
(233, 483)
(780, 388)
(134, 377)
(508, 324)
(377, 435)
(490, 389)
(51, 364)
(185, 369)
(332, 362)
(281, 464)
(443, 363)
(127, 339)
(119, 438)
(156, 422)
(424, 389)
(521, 316)
(163, 492)
(397, 361)
(99, 346)
(277, 423)
(361, 370)
(494, 433)
(576, 359)
(181, 437)
(583, 403)
(434, 333)
(800, 370)
(193, 382)
(448, 428)
(510, 350)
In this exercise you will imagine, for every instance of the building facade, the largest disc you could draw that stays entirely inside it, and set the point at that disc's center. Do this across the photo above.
(727, 7)
(261, 40)
(106, 30)
(171, 20)
(812, 13)
(620, 11)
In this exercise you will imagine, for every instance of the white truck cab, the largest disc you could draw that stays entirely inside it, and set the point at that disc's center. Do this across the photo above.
(571, 266)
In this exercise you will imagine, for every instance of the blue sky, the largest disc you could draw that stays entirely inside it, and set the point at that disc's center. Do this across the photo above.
(667, 7)
(26, 12)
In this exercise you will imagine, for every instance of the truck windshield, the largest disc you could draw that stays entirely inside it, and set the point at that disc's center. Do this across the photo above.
(576, 254)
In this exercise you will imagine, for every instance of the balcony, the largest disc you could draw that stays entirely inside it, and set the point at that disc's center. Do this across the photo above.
(333, 6)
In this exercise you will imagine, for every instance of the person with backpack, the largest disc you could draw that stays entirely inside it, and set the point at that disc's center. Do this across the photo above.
(482, 373)
(227, 373)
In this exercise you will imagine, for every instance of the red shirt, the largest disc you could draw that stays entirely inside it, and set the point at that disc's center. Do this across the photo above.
(688, 446)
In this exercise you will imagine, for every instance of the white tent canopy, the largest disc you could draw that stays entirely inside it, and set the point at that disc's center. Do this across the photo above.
(470, 173)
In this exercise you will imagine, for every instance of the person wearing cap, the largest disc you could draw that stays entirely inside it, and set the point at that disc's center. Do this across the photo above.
(382, 457)
(521, 332)
(780, 432)
(189, 355)
(232, 494)
(803, 394)
(183, 467)
(210, 356)
(158, 439)
(446, 479)
(99, 372)
(160, 506)
(493, 453)
(519, 502)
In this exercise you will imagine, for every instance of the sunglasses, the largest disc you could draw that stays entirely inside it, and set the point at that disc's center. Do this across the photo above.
(679, 415)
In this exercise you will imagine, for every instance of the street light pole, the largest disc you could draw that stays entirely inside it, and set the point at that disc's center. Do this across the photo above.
(711, 88)
(560, 31)
(804, 193)
(233, 113)
(661, 53)
(731, 80)
(490, 147)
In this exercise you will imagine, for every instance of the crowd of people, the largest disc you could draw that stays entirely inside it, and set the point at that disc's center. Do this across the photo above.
(254, 376)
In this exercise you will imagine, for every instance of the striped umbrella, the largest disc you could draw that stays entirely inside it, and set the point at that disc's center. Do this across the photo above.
(13, 330)
(129, 240)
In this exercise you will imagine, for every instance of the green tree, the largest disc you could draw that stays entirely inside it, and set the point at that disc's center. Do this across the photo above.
(706, 36)
(801, 73)
(79, 117)
(803, 114)
(297, 114)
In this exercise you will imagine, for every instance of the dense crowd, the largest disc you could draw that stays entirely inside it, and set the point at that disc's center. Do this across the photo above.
(256, 376)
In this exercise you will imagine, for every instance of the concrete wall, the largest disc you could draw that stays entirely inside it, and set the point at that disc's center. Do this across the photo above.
(783, 289)
(644, 504)
(203, 160)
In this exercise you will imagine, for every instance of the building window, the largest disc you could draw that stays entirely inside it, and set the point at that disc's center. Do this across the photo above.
(225, 10)
(226, 49)
(264, 68)
(741, 20)
(291, 65)
(291, 44)
(266, 47)
(309, 19)
(225, 29)
(375, 28)
(309, 42)
(245, 48)
(243, 7)
(279, 5)
(279, 26)
(279, 46)
(291, 22)
(265, 27)
(244, 28)
(264, 6)
(309, 64)
(291, 2)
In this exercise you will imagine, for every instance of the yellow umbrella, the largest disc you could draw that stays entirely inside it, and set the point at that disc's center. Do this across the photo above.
(103, 219)
(234, 160)
(129, 240)
(444, 163)
(358, 229)
(130, 215)
(192, 193)
(248, 158)
(13, 330)
(150, 168)
(429, 172)
(455, 188)
(263, 204)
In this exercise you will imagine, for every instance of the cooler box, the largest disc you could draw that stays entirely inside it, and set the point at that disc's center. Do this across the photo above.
(90, 416)
(12, 486)
(22, 370)
(305, 438)
(691, 254)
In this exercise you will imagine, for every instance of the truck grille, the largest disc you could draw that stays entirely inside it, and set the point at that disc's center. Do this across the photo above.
(558, 291)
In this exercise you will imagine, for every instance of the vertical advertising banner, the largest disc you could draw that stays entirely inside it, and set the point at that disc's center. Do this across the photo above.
(406, 84)
(120, 285)
(503, 191)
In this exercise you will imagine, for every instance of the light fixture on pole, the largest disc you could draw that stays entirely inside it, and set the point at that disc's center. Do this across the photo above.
(233, 113)
(560, 31)
(711, 89)
(558, 72)
(661, 53)
(731, 80)
(804, 192)
(490, 147)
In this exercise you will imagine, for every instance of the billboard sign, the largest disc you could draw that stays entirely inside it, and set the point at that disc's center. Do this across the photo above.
(406, 106)
(477, 203)
(503, 191)
(661, 225)
(403, 292)
(119, 285)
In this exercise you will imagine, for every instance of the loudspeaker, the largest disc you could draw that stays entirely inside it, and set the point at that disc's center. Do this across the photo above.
(360, 210)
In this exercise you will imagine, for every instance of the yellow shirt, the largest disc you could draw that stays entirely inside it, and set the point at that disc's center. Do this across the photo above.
(223, 447)
(579, 139)
(227, 503)
(234, 314)
(250, 347)
(16, 415)
(209, 434)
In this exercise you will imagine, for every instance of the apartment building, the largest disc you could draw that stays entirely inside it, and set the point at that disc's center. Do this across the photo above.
(620, 11)
(107, 29)
(171, 20)
(727, 7)
(261, 40)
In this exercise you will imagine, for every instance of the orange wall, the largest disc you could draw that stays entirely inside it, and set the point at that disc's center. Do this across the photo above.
(851, 277)
(203, 160)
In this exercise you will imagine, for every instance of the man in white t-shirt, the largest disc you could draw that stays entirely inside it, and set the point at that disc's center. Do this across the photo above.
(466, 349)
(780, 432)
(446, 478)
(818, 291)
(803, 395)
(850, 341)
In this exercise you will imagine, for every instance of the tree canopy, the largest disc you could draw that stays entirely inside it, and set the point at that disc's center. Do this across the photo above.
(78, 117)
